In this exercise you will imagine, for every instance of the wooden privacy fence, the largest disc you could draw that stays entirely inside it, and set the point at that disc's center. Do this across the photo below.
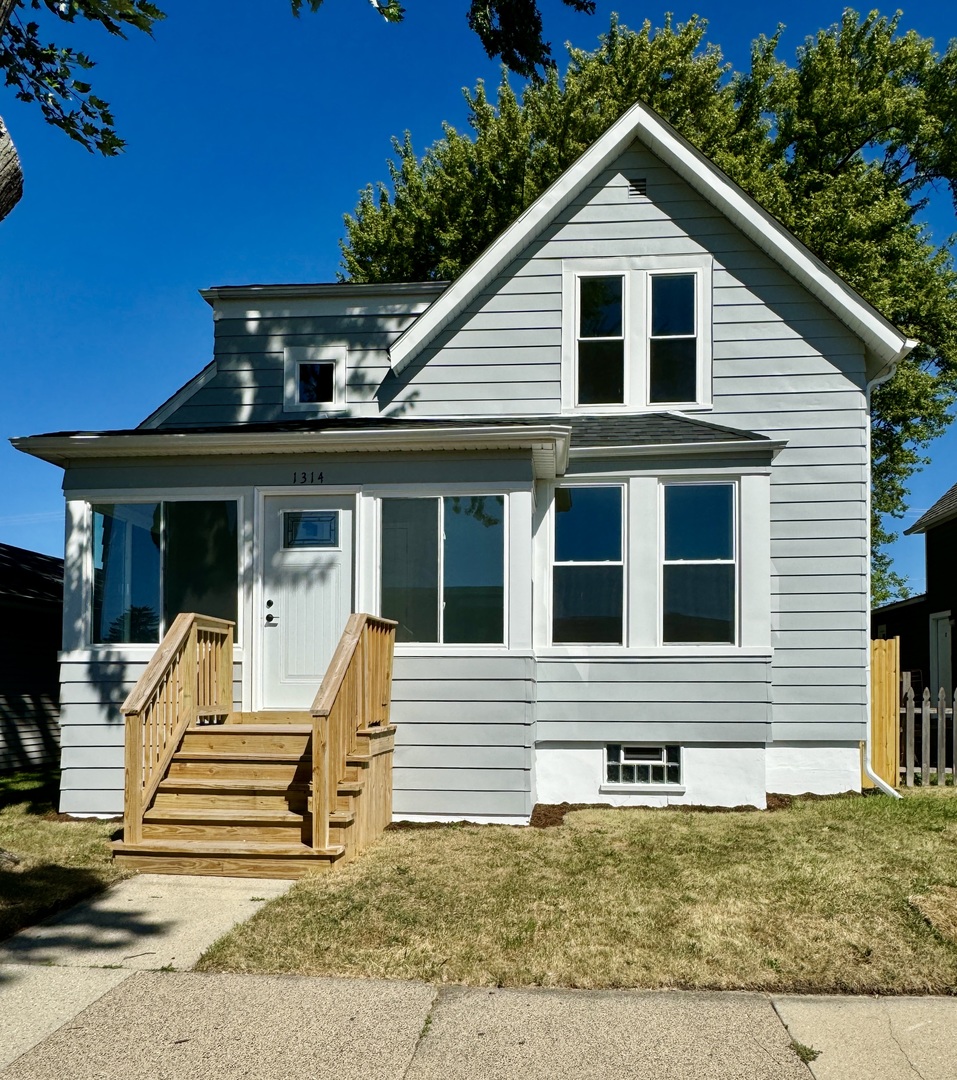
(189, 680)
(912, 737)
(885, 712)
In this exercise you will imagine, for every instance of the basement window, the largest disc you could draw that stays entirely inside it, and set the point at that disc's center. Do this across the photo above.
(627, 765)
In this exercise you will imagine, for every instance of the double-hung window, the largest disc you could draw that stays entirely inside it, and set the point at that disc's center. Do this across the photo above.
(588, 566)
(637, 334)
(600, 374)
(699, 571)
(154, 560)
(443, 568)
(672, 339)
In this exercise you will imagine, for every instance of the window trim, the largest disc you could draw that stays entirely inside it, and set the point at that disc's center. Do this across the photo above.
(594, 482)
(379, 495)
(735, 561)
(626, 349)
(638, 272)
(85, 499)
(650, 787)
(293, 356)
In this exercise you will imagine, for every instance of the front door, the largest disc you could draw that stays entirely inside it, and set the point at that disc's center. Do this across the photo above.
(941, 674)
(306, 594)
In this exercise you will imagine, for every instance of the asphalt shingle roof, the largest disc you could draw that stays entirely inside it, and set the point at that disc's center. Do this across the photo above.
(28, 575)
(943, 510)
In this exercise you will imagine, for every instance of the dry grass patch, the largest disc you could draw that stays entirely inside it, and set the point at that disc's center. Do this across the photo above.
(810, 898)
(46, 862)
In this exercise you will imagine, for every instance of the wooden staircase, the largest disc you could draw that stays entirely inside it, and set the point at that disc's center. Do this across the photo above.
(252, 794)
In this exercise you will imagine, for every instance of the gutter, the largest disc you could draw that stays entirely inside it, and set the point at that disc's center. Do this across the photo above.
(882, 377)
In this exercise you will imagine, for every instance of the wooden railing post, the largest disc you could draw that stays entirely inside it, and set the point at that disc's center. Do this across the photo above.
(321, 795)
(133, 787)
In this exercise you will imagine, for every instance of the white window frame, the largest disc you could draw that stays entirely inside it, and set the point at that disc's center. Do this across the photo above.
(595, 482)
(735, 560)
(636, 315)
(646, 787)
(625, 338)
(439, 494)
(292, 357)
(80, 510)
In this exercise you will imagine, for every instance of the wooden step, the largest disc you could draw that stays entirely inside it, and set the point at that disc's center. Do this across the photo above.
(254, 739)
(225, 859)
(298, 770)
(204, 824)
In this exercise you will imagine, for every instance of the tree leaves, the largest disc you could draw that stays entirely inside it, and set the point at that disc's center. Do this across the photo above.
(841, 146)
(47, 73)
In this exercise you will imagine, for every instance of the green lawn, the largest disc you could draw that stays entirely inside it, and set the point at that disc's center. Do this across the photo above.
(854, 894)
(58, 862)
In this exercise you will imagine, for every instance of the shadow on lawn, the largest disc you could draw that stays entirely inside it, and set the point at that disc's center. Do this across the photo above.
(38, 788)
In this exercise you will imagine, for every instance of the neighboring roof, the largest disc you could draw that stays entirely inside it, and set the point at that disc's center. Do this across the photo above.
(28, 575)
(943, 510)
(885, 343)
(550, 438)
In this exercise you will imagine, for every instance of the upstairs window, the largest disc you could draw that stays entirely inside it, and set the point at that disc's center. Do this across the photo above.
(638, 338)
(313, 379)
(601, 340)
(699, 575)
(673, 341)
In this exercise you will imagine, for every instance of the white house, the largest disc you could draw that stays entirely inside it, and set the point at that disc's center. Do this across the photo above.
(613, 483)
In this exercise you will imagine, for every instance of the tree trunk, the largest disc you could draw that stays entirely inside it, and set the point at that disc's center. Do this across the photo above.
(11, 175)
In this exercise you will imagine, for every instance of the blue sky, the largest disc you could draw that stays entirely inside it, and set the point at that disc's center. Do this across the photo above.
(249, 134)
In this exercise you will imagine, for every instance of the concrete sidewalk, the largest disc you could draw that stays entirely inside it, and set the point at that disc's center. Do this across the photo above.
(85, 997)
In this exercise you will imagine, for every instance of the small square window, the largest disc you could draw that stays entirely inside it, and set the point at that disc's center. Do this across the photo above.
(317, 383)
(314, 378)
(642, 764)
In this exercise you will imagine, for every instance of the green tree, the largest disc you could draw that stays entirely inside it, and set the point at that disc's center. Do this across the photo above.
(842, 146)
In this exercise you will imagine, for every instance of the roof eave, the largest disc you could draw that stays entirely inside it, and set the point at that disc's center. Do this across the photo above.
(548, 443)
(882, 340)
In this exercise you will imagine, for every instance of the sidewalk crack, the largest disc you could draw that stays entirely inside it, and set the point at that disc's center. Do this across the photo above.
(426, 1025)
(890, 1031)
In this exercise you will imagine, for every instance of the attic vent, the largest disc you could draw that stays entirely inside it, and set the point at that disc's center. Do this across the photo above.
(637, 189)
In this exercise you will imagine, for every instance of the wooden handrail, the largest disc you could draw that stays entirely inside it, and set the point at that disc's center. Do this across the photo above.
(355, 694)
(190, 673)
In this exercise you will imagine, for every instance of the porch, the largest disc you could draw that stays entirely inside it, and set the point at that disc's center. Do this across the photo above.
(209, 790)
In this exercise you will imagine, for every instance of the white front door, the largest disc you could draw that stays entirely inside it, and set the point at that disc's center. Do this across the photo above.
(306, 593)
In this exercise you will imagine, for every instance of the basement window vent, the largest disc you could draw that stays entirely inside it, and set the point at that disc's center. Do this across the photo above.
(638, 189)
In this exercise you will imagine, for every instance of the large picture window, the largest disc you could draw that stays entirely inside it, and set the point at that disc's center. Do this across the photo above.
(699, 573)
(443, 568)
(153, 560)
(588, 567)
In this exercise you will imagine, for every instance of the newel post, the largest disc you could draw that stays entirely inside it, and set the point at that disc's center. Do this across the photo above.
(133, 794)
(320, 783)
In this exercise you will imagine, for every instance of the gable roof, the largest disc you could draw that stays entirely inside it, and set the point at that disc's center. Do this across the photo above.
(943, 510)
(885, 344)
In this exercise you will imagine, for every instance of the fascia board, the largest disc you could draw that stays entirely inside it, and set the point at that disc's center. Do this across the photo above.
(767, 446)
(881, 338)
(548, 443)
(182, 395)
(509, 243)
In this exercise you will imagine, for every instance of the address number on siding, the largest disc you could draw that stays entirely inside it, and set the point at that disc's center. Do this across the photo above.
(304, 476)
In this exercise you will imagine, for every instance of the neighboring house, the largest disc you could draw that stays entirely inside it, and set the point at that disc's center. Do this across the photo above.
(925, 623)
(613, 483)
(31, 621)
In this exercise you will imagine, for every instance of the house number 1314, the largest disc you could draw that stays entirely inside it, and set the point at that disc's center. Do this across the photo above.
(303, 477)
